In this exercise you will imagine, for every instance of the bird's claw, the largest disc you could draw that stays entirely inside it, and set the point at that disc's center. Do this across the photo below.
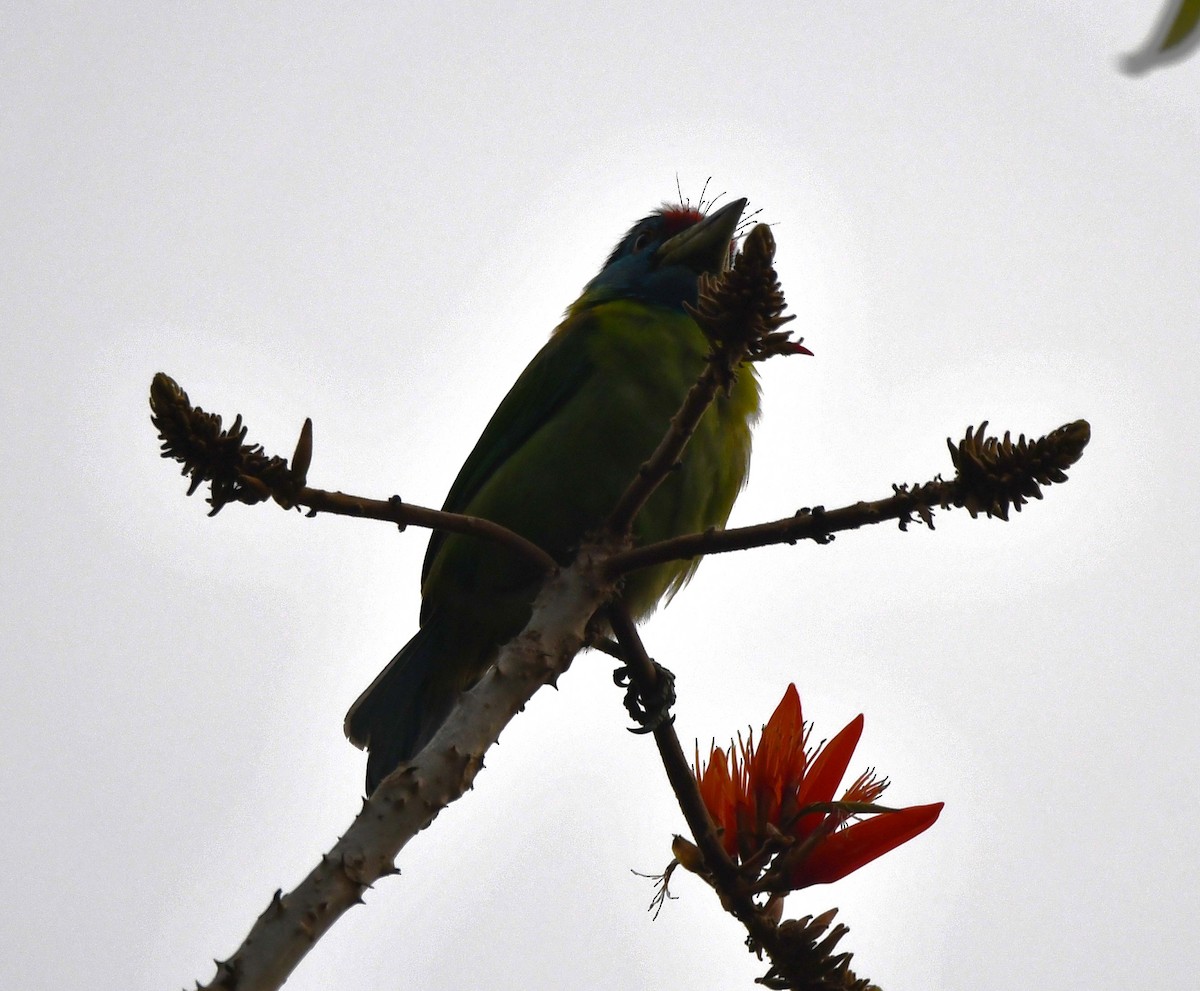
(648, 711)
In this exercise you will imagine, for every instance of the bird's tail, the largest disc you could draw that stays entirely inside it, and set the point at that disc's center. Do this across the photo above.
(403, 707)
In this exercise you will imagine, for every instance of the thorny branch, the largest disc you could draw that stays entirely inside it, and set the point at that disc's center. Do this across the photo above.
(741, 313)
(407, 800)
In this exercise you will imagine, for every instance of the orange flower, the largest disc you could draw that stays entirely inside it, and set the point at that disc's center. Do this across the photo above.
(774, 803)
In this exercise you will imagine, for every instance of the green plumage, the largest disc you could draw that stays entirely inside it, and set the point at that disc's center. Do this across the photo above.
(551, 465)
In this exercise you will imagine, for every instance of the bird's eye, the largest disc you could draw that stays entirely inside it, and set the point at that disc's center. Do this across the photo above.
(641, 241)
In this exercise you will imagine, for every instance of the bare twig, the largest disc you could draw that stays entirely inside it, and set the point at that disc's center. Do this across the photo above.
(405, 514)
(644, 677)
(740, 312)
(241, 472)
(651, 474)
(993, 476)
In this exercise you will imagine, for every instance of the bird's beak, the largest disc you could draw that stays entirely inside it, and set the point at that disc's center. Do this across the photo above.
(704, 247)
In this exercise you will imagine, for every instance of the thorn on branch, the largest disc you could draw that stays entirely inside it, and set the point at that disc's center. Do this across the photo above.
(302, 457)
(815, 515)
(236, 471)
(397, 501)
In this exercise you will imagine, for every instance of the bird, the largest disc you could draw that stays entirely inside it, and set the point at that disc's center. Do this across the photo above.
(552, 463)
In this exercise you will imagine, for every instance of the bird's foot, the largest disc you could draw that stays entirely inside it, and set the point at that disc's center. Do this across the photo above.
(652, 709)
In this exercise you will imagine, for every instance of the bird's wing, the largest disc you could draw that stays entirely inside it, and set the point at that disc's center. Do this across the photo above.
(547, 384)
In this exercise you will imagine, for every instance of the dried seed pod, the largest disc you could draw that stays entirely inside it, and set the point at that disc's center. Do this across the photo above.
(740, 311)
(994, 475)
(236, 471)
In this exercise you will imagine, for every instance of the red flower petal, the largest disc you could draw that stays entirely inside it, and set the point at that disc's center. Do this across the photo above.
(751, 791)
(718, 792)
(787, 718)
(777, 764)
(849, 849)
(826, 773)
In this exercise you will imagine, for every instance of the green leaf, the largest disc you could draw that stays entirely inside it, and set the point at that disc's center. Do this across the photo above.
(1187, 16)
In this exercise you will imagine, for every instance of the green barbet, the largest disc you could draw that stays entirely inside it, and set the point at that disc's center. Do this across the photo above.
(553, 461)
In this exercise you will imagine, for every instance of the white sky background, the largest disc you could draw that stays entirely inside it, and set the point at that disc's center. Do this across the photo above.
(375, 219)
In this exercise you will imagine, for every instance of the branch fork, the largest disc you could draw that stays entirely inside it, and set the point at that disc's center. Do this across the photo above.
(741, 312)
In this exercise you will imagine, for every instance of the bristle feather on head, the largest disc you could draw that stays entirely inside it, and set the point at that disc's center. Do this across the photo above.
(678, 217)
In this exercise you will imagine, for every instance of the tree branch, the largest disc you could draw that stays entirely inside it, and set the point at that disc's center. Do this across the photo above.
(241, 472)
(411, 797)
(740, 312)
(656, 468)
(404, 514)
(992, 477)
(645, 679)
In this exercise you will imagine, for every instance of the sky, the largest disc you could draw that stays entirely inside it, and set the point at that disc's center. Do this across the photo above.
(373, 215)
